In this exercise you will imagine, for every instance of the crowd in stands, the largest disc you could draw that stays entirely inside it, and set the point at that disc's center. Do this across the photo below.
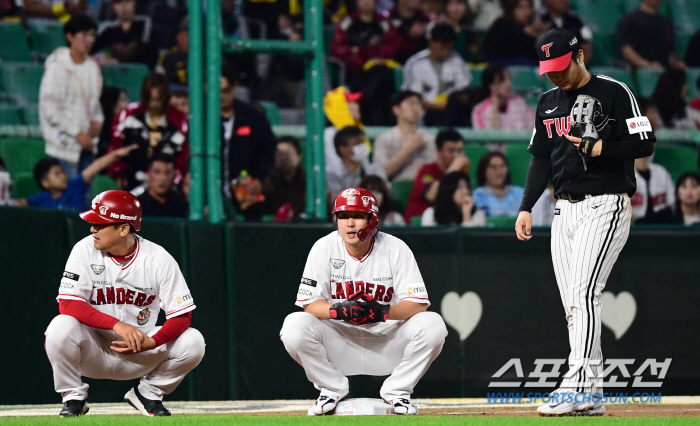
(411, 65)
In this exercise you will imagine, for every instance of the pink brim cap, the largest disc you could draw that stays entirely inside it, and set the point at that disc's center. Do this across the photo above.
(555, 64)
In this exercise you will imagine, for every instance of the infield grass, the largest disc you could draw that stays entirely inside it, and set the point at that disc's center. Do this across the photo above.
(209, 420)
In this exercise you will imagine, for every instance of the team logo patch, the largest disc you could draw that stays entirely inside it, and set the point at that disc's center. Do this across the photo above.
(545, 48)
(97, 269)
(557, 212)
(95, 201)
(103, 210)
(337, 263)
(143, 316)
(350, 193)
(365, 200)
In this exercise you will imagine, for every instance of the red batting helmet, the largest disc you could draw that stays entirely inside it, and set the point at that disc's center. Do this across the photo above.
(359, 200)
(114, 206)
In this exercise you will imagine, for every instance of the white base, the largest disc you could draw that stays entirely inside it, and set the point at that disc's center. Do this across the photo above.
(363, 407)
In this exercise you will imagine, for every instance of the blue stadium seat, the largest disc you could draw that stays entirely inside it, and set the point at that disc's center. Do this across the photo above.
(46, 36)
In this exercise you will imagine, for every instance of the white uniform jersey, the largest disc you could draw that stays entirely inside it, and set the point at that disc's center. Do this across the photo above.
(661, 190)
(134, 292)
(389, 273)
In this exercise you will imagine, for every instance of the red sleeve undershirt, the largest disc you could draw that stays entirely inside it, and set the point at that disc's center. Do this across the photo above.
(86, 314)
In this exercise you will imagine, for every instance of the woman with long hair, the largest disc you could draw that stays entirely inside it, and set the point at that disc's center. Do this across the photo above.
(511, 38)
(454, 204)
(387, 215)
(495, 194)
(669, 100)
(686, 209)
(113, 101)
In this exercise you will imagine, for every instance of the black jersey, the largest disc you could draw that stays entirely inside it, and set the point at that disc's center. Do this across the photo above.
(617, 117)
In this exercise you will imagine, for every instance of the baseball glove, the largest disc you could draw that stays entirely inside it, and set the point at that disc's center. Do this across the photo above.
(352, 309)
(582, 127)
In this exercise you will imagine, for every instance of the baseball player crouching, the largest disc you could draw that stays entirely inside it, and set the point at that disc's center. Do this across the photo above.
(365, 310)
(114, 285)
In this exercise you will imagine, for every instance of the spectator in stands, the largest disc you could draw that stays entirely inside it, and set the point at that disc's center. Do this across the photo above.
(436, 73)
(180, 99)
(432, 8)
(368, 44)
(457, 16)
(128, 38)
(556, 14)
(174, 63)
(686, 209)
(454, 204)
(69, 98)
(387, 215)
(668, 100)
(162, 198)
(495, 195)
(62, 10)
(511, 39)
(60, 191)
(156, 127)
(285, 187)
(646, 38)
(655, 189)
(411, 22)
(342, 109)
(113, 101)
(403, 149)
(247, 143)
(694, 106)
(450, 158)
(5, 186)
(503, 109)
(350, 146)
(485, 13)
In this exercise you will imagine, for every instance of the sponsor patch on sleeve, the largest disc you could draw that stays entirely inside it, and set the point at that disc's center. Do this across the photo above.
(183, 299)
(638, 125)
(417, 291)
(309, 282)
(67, 286)
(71, 276)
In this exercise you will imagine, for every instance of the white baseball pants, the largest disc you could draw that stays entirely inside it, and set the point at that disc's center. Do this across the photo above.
(587, 238)
(76, 350)
(329, 352)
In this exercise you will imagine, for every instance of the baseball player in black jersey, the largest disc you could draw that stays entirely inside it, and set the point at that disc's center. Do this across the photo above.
(588, 131)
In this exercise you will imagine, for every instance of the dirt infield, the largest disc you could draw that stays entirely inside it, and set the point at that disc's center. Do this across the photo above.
(670, 406)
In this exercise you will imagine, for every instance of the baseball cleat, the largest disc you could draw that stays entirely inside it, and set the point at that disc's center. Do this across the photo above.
(147, 407)
(325, 404)
(557, 405)
(597, 410)
(74, 408)
(404, 406)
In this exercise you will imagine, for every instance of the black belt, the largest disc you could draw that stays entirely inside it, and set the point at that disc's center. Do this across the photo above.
(572, 198)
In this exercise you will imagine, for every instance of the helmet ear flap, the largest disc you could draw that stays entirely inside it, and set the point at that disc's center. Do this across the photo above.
(369, 230)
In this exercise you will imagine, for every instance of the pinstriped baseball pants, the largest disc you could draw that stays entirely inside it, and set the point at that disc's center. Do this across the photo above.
(587, 238)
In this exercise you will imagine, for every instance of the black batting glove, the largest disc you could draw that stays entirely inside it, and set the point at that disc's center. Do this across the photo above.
(352, 310)
(376, 312)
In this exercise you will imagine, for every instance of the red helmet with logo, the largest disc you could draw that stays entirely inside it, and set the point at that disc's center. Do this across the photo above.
(360, 200)
(114, 206)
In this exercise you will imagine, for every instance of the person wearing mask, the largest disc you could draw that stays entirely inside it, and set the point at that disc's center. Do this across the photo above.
(285, 187)
(350, 147)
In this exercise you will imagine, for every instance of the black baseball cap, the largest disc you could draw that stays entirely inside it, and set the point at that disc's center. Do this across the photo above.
(554, 49)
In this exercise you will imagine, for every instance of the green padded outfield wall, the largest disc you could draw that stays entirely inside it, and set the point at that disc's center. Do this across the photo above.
(244, 280)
